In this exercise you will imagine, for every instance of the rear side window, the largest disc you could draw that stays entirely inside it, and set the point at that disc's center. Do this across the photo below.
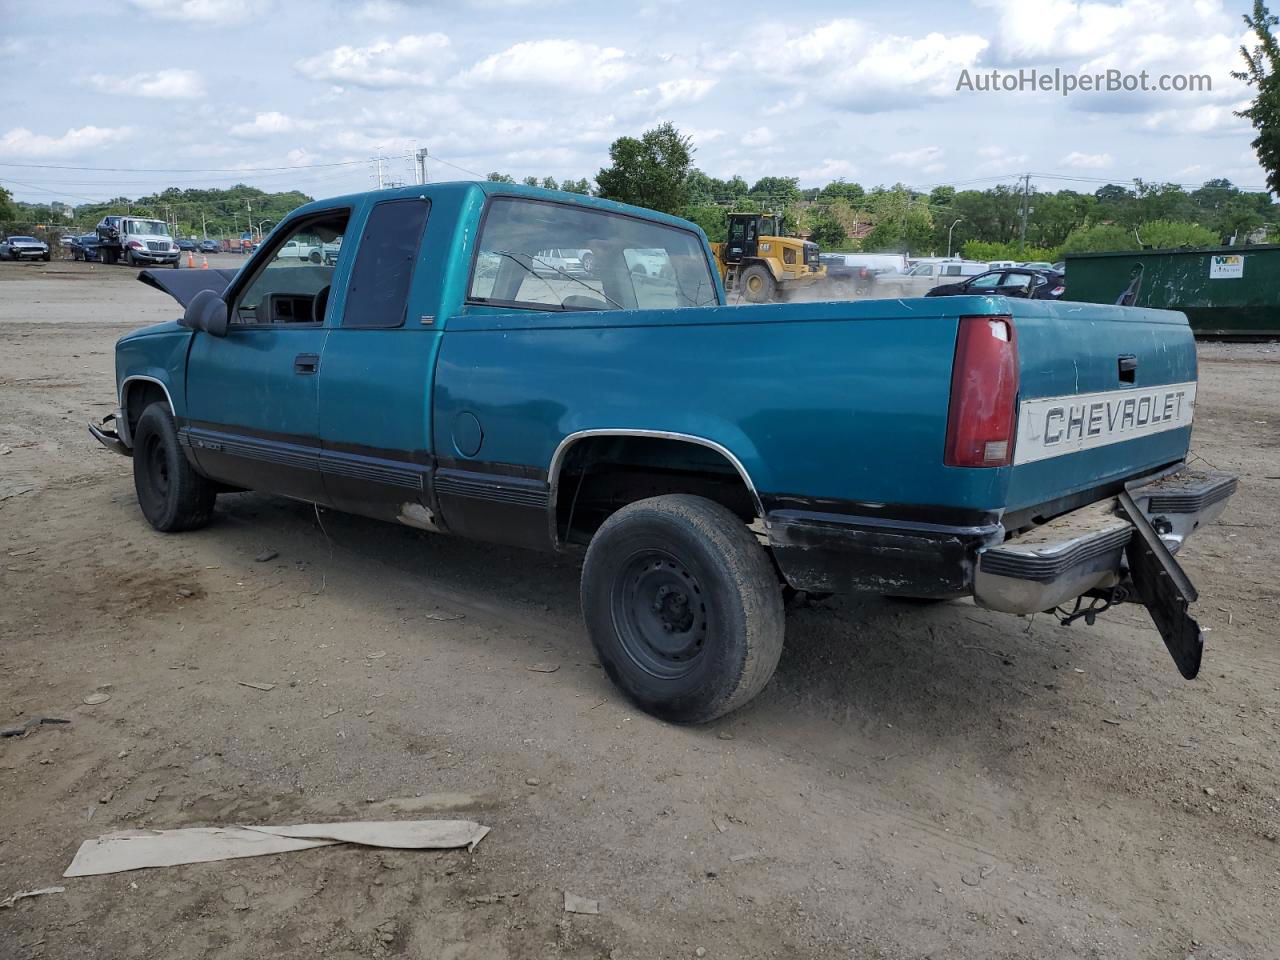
(546, 256)
(379, 290)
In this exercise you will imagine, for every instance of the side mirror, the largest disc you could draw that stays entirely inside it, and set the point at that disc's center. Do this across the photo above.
(207, 311)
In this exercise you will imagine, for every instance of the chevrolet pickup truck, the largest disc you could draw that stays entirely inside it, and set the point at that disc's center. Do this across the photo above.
(1027, 454)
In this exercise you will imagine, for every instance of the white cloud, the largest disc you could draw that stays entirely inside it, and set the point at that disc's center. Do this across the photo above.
(567, 65)
(759, 137)
(380, 11)
(1000, 158)
(222, 12)
(170, 84)
(411, 61)
(684, 91)
(23, 143)
(927, 159)
(863, 69)
(269, 124)
(1086, 161)
(827, 171)
(1205, 119)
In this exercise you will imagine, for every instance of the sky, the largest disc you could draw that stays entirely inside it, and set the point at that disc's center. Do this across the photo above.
(282, 94)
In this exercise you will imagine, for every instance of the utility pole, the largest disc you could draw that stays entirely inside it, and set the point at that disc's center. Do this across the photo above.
(422, 165)
(1026, 208)
(378, 162)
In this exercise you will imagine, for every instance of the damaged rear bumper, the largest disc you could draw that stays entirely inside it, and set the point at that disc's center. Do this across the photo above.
(1085, 549)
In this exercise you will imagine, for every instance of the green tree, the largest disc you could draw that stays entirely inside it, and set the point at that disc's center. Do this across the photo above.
(530, 181)
(711, 217)
(549, 183)
(7, 210)
(841, 190)
(827, 230)
(582, 186)
(1100, 238)
(496, 177)
(776, 191)
(649, 172)
(1166, 234)
(1262, 71)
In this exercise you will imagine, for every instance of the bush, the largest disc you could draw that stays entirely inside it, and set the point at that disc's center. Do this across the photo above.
(978, 250)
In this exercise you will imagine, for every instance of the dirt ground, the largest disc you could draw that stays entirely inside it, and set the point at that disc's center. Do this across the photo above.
(941, 782)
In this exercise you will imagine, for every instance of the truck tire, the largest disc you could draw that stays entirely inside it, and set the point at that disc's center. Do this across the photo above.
(683, 607)
(173, 497)
(757, 285)
(314, 256)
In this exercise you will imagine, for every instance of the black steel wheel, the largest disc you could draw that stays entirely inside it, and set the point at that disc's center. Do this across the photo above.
(173, 497)
(683, 607)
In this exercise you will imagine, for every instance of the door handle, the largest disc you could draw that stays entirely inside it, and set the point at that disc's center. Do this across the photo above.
(306, 363)
(1128, 368)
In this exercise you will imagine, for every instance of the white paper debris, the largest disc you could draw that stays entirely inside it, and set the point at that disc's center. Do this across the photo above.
(139, 849)
(10, 900)
(576, 904)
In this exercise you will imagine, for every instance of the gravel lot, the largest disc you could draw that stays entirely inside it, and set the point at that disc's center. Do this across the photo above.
(916, 782)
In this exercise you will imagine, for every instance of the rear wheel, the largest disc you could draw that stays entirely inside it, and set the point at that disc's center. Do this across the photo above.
(173, 497)
(683, 607)
(757, 284)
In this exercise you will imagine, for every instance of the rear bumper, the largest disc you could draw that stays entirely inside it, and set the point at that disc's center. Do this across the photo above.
(1085, 549)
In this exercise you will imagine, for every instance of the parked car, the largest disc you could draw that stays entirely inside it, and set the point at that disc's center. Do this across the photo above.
(924, 275)
(208, 246)
(85, 247)
(1037, 265)
(1017, 282)
(1001, 264)
(186, 244)
(304, 248)
(24, 248)
(704, 456)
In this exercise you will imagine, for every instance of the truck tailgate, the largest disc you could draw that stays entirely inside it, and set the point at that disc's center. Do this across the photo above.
(1105, 394)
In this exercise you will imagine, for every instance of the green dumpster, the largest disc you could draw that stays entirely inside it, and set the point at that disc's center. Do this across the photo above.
(1224, 291)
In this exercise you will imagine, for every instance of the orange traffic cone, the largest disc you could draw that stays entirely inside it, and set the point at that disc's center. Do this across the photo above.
(205, 264)
(191, 260)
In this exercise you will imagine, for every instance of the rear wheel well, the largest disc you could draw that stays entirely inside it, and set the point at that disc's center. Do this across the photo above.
(599, 475)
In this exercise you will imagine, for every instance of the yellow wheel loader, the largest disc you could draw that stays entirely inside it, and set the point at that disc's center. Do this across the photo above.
(760, 265)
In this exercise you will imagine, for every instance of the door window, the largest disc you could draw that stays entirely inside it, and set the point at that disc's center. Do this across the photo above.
(378, 294)
(292, 285)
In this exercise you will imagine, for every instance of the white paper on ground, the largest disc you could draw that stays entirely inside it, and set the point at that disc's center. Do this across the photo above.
(139, 849)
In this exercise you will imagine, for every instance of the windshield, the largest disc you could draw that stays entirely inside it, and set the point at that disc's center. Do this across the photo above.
(23, 240)
(613, 262)
(147, 228)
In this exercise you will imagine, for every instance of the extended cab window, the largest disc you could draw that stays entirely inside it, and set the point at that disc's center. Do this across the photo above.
(292, 286)
(379, 290)
(555, 256)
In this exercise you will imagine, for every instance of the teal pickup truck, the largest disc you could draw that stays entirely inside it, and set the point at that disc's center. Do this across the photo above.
(452, 371)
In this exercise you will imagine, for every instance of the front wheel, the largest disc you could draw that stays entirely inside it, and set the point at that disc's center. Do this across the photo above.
(173, 497)
(683, 607)
(757, 284)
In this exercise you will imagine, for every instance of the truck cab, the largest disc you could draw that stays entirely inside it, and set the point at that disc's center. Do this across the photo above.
(138, 241)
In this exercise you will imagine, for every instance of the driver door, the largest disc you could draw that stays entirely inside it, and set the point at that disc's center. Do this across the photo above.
(252, 396)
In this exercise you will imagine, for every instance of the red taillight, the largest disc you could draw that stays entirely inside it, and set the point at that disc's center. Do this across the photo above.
(984, 394)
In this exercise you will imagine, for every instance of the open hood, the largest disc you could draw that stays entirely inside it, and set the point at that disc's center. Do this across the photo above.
(183, 285)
